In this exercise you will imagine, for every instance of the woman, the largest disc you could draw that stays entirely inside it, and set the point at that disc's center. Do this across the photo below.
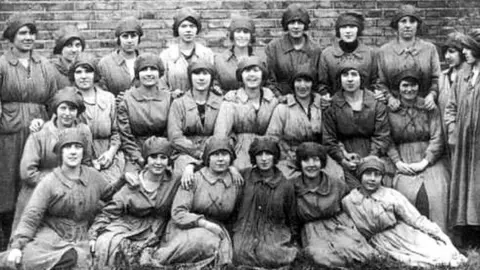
(192, 117)
(246, 112)
(356, 124)
(196, 236)
(408, 51)
(265, 234)
(421, 176)
(69, 43)
(299, 120)
(393, 225)
(143, 110)
(186, 26)
(27, 85)
(52, 233)
(329, 237)
(137, 215)
(347, 51)
(242, 35)
(295, 48)
(116, 69)
(101, 117)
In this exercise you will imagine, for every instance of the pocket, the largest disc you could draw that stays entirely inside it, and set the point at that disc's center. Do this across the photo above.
(10, 118)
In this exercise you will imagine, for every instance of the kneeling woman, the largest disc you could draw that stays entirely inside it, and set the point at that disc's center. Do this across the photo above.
(329, 236)
(52, 233)
(196, 235)
(137, 214)
(393, 225)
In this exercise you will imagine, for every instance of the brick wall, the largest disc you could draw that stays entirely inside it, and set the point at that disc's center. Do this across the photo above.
(97, 18)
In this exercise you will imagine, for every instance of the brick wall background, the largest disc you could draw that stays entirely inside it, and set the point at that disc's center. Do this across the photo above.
(97, 18)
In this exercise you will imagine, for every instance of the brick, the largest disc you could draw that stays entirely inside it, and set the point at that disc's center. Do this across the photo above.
(354, 4)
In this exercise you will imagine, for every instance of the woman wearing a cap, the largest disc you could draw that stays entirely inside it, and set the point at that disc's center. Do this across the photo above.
(196, 236)
(245, 113)
(52, 233)
(329, 237)
(265, 234)
(421, 175)
(295, 48)
(408, 51)
(186, 26)
(393, 225)
(242, 35)
(69, 43)
(117, 68)
(463, 125)
(27, 84)
(138, 214)
(143, 111)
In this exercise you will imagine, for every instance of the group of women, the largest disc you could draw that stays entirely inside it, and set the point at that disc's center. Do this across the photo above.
(191, 159)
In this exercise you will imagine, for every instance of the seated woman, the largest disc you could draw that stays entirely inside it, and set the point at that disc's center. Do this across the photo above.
(265, 232)
(329, 236)
(418, 144)
(137, 215)
(196, 235)
(143, 111)
(246, 112)
(52, 233)
(392, 224)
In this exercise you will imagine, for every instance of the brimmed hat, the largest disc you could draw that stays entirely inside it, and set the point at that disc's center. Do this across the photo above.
(64, 35)
(407, 73)
(472, 41)
(249, 62)
(68, 136)
(70, 95)
(182, 15)
(214, 144)
(156, 145)
(84, 59)
(17, 21)
(201, 64)
(310, 149)
(370, 162)
(350, 18)
(405, 10)
(295, 12)
(266, 144)
(148, 60)
(128, 24)
(304, 71)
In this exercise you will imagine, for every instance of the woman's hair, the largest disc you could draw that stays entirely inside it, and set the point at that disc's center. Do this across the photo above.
(264, 144)
(87, 61)
(310, 149)
(214, 144)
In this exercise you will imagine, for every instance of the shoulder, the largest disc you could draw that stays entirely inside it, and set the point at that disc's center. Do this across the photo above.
(104, 95)
(202, 49)
(107, 58)
(230, 96)
(169, 53)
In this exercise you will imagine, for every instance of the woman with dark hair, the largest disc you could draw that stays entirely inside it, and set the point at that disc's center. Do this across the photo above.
(186, 26)
(27, 84)
(246, 112)
(393, 225)
(329, 237)
(242, 34)
(408, 51)
(295, 48)
(143, 111)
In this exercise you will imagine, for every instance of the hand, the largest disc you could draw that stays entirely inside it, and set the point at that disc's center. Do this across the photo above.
(14, 257)
(404, 168)
(351, 166)
(36, 125)
(380, 96)
(187, 177)
(352, 157)
(419, 166)
(393, 103)
(325, 101)
(91, 245)
(217, 90)
(430, 102)
(213, 227)
(141, 162)
(236, 176)
(131, 179)
(119, 97)
(106, 159)
(176, 93)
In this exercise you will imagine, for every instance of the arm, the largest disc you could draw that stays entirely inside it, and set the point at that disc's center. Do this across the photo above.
(271, 67)
(128, 140)
(381, 135)
(436, 143)
(115, 141)
(225, 119)
(435, 75)
(182, 206)
(324, 82)
(290, 206)
(30, 163)
(330, 136)
(450, 116)
(277, 122)
(112, 211)
(176, 121)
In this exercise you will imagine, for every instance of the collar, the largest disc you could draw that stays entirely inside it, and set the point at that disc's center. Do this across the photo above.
(291, 101)
(414, 50)
(61, 65)
(213, 101)
(118, 58)
(357, 196)
(287, 44)
(357, 53)
(419, 104)
(83, 179)
(368, 99)
(176, 55)
(13, 59)
(144, 95)
(213, 179)
(243, 97)
(272, 182)
(324, 188)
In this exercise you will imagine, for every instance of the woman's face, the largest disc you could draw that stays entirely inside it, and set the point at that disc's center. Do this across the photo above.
(72, 154)
(264, 160)
(24, 39)
(371, 180)
(351, 80)
(252, 77)
(296, 28)
(303, 87)
(469, 58)
(348, 33)
(84, 78)
(219, 161)
(149, 76)
(187, 31)
(408, 90)
(453, 57)
(66, 114)
(129, 41)
(407, 27)
(311, 167)
(241, 37)
(72, 49)
(157, 163)
(201, 80)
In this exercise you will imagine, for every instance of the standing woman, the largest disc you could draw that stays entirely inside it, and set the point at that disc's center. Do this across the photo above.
(295, 48)
(242, 35)
(69, 43)
(143, 111)
(408, 51)
(186, 26)
(117, 68)
(27, 84)
(245, 113)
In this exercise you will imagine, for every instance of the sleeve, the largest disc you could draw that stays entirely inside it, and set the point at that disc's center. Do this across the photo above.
(435, 75)
(102, 71)
(436, 143)
(225, 121)
(115, 141)
(30, 162)
(290, 206)
(164, 79)
(382, 80)
(128, 140)
(52, 86)
(182, 206)
(330, 135)
(176, 120)
(271, 66)
(112, 211)
(393, 153)
(381, 136)
(451, 111)
(277, 122)
(324, 80)
(374, 70)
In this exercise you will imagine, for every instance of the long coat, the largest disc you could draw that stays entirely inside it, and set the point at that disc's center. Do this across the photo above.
(114, 74)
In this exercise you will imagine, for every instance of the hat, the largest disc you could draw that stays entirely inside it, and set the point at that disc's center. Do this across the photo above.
(214, 144)
(17, 21)
(472, 41)
(68, 136)
(266, 144)
(84, 59)
(182, 15)
(295, 12)
(454, 40)
(148, 60)
(249, 62)
(156, 145)
(403, 11)
(310, 149)
(241, 22)
(64, 35)
(304, 71)
(201, 64)
(128, 24)
(350, 18)
(407, 73)
(71, 95)
(370, 162)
